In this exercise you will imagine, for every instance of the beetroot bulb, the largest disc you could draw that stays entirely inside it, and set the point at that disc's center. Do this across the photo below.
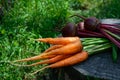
(89, 23)
(70, 30)
(82, 32)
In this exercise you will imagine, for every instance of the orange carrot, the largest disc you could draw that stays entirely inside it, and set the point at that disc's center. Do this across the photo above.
(35, 58)
(77, 58)
(49, 61)
(52, 48)
(60, 40)
(71, 48)
(72, 60)
(43, 57)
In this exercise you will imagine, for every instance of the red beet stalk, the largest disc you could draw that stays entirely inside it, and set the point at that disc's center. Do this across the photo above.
(111, 38)
(111, 27)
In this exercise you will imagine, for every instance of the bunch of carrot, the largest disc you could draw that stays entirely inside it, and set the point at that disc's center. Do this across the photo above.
(66, 51)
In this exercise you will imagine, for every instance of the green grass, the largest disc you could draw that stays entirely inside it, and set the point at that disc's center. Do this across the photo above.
(28, 20)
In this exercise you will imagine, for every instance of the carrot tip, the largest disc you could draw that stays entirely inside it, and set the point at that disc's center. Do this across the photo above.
(17, 64)
(36, 39)
(17, 61)
(33, 73)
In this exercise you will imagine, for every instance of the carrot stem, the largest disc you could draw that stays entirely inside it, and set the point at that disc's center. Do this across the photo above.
(99, 49)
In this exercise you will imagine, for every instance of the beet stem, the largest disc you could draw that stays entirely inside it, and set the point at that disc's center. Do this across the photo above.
(112, 34)
(91, 32)
(84, 34)
(110, 37)
(112, 24)
(112, 29)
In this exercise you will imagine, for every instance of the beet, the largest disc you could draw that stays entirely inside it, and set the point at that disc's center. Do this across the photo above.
(91, 24)
(68, 30)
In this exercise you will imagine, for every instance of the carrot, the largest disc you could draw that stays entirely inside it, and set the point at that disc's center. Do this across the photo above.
(60, 40)
(49, 61)
(38, 57)
(71, 48)
(77, 58)
(43, 57)
(53, 47)
(35, 58)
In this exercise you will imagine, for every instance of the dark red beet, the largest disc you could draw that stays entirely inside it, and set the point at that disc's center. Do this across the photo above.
(68, 30)
(91, 24)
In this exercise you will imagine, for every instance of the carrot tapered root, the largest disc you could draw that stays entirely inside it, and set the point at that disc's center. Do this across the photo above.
(77, 58)
(49, 61)
(39, 70)
(39, 57)
(53, 47)
(72, 60)
(59, 41)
